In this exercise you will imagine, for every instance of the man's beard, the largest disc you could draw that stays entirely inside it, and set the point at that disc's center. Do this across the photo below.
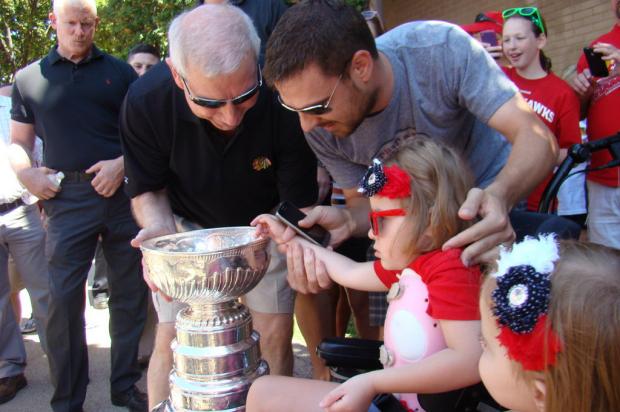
(367, 105)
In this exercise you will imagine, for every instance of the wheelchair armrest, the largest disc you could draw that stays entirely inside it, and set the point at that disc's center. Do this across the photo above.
(350, 353)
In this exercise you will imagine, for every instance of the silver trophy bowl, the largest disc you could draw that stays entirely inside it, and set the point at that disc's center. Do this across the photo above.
(216, 351)
(207, 266)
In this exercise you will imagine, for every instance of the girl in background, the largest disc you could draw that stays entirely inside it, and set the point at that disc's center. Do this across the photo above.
(551, 327)
(523, 39)
(432, 327)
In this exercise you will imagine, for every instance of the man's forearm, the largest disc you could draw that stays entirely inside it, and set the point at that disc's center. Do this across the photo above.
(531, 160)
(21, 147)
(152, 209)
(20, 160)
(533, 155)
(357, 213)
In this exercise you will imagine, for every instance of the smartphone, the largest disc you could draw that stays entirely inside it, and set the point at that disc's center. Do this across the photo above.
(289, 214)
(597, 65)
(488, 36)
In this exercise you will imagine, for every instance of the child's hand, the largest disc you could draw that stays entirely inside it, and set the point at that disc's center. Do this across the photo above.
(354, 395)
(269, 225)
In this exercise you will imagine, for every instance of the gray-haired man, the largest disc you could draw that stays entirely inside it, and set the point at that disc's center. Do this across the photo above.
(207, 145)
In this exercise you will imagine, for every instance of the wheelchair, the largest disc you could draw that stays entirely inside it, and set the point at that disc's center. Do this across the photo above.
(347, 357)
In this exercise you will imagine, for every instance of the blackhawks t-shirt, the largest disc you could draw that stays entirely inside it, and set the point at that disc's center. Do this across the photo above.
(557, 105)
(604, 114)
(453, 288)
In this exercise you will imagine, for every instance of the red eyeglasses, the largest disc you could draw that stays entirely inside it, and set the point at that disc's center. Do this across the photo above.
(376, 216)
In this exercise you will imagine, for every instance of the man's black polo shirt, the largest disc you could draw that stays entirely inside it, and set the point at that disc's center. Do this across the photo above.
(213, 179)
(74, 107)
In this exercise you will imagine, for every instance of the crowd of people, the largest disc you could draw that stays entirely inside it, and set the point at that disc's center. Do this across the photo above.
(443, 171)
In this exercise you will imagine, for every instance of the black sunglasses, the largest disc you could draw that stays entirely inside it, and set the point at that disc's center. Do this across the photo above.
(315, 109)
(215, 103)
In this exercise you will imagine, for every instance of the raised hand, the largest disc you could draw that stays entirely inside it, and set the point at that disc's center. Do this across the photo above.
(482, 239)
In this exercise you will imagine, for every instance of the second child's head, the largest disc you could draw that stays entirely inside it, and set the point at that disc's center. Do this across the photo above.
(551, 327)
(414, 199)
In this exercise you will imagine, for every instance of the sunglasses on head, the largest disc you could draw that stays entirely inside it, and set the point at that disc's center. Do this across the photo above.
(215, 103)
(315, 109)
(376, 217)
(530, 13)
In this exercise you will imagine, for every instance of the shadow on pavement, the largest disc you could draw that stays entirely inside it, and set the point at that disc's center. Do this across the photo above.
(36, 396)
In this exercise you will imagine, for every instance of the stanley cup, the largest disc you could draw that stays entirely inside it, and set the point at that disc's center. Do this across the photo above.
(216, 352)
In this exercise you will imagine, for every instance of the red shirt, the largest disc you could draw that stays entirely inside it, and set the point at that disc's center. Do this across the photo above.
(604, 114)
(557, 105)
(453, 288)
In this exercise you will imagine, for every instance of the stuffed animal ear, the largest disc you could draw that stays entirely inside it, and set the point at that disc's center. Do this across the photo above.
(540, 393)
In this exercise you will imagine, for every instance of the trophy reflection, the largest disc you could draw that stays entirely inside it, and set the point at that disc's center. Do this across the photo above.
(216, 352)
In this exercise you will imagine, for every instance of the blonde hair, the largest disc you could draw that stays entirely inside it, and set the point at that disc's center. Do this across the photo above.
(440, 181)
(584, 312)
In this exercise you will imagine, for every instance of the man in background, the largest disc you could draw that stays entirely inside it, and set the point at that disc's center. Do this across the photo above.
(71, 99)
(600, 99)
(22, 240)
(142, 57)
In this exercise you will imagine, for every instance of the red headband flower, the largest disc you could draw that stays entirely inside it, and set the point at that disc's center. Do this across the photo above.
(391, 181)
(521, 302)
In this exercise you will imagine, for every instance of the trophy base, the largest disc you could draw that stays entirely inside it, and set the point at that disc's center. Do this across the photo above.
(166, 406)
(222, 396)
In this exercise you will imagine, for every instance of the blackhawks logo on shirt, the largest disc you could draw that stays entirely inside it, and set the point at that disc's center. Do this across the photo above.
(261, 163)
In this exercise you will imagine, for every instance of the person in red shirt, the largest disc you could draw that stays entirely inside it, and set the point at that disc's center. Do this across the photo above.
(524, 37)
(432, 326)
(600, 100)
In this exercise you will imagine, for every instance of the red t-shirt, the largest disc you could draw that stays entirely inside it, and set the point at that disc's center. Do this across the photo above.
(604, 114)
(453, 288)
(557, 105)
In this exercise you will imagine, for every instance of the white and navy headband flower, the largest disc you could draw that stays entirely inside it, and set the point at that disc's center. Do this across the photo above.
(521, 301)
(391, 181)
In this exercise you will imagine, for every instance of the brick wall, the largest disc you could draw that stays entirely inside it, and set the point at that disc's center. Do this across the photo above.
(572, 24)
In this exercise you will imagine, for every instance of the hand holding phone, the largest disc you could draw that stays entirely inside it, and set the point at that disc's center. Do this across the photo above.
(290, 215)
(597, 65)
(489, 37)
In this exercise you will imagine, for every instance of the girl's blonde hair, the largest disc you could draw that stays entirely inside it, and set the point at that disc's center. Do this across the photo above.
(584, 312)
(440, 181)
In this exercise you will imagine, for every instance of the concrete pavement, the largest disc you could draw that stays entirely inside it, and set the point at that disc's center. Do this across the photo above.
(35, 397)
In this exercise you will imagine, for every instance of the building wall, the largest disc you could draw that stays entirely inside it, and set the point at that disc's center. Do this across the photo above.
(572, 24)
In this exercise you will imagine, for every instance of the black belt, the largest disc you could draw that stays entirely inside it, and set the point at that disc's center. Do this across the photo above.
(77, 177)
(7, 207)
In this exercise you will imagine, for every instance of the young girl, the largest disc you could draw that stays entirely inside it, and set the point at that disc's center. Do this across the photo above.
(523, 39)
(432, 326)
(551, 327)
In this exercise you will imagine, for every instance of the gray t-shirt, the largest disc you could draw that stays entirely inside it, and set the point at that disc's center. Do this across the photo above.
(445, 86)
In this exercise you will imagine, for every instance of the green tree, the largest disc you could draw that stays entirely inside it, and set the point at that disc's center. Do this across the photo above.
(125, 23)
(24, 34)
